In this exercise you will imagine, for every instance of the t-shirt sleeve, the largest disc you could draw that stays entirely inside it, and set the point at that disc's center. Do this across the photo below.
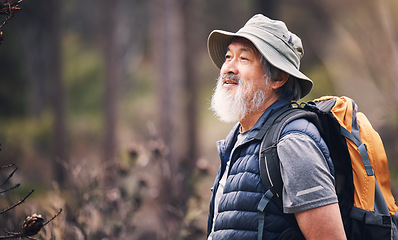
(307, 181)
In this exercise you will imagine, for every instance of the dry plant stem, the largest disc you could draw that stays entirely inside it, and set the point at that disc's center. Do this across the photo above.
(8, 8)
(17, 185)
(9, 5)
(10, 175)
(17, 235)
(5, 21)
(18, 203)
(13, 235)
(56, 215)
(7, 166)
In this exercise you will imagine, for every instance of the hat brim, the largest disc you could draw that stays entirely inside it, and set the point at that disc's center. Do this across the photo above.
(219, 40)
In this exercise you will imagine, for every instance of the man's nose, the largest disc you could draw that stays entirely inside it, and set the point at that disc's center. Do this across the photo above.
(229, 67)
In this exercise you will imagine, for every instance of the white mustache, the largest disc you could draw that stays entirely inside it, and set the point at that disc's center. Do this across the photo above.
(230, 76)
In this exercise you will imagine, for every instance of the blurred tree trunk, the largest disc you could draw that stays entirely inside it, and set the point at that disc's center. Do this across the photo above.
(35, 30)
(191, 50)
(167, 46)
(177, 110)
(55, 68)
(267, 7)
(113, 73)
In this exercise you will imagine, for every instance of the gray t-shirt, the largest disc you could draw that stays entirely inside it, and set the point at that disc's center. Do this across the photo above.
(307, 181)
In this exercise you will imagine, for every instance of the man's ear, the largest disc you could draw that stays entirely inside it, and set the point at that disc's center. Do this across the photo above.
(282, 79)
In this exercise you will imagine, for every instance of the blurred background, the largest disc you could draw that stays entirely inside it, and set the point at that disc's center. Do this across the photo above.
(105, 104)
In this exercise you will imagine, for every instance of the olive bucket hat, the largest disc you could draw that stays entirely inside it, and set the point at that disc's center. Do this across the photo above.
(274, 41)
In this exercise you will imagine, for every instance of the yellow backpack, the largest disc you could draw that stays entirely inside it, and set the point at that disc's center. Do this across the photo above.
(360, 165)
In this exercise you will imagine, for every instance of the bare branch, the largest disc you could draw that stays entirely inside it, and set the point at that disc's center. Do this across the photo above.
(8, 8)
(18, 203)
(9, 189)
(7, 166)
(56, 215)
(9, 177)
(11, 235)
(31, 226)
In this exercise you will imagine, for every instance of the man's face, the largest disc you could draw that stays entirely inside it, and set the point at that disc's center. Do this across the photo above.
(243, 60)
(242, 87)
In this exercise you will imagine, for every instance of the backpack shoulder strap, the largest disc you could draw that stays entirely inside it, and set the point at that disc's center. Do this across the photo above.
(270, 173)
(270, 134)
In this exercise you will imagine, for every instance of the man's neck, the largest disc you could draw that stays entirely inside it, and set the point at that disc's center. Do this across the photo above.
(250, 119)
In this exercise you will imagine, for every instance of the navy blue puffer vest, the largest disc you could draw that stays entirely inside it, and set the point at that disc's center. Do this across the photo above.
(238, 215)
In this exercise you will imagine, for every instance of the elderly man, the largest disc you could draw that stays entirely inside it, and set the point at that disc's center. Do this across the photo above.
(259, 74)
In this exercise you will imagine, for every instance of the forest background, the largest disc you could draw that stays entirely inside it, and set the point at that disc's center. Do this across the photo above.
(105, 104)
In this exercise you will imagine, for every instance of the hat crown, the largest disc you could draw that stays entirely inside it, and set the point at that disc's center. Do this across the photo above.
(278, 29)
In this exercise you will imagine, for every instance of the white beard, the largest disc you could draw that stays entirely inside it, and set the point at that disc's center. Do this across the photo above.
(234, 107)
